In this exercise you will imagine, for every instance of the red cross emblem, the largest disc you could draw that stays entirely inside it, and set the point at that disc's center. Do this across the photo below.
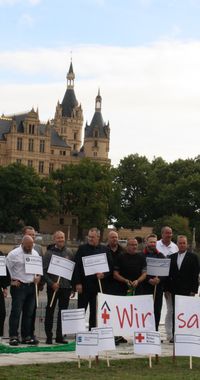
(105, 316)
(139, 338)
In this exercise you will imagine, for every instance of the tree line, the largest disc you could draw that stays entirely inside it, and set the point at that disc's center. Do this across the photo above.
(136, 193)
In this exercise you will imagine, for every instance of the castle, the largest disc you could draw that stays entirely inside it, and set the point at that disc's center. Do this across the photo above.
(51, 146)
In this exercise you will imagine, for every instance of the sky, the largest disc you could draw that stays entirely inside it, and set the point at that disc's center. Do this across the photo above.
(144, 55)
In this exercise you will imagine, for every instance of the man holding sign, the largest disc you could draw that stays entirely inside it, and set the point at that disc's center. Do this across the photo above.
(58, 288)
(87, 285)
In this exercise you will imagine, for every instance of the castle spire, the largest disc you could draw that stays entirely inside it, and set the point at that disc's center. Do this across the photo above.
(70, 77)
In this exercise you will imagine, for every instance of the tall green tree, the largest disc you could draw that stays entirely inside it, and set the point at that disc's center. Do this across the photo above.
(84, 190)
(25, 197)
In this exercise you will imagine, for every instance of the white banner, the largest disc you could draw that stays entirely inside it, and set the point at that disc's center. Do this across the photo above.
(95, 264)
(73, 320)
(33, 264)
(106, 338)
(158, 267)
(126, 314)
(147, 343)
(87, 344)
(61, 267)
(187, 326)
(2, 266)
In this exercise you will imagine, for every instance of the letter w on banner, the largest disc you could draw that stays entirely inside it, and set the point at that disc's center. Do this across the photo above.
(126, 314)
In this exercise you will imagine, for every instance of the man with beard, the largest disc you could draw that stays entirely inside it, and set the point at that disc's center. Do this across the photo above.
(154, 284)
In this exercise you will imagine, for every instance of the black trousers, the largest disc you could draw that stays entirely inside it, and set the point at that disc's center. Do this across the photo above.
(85, 299)
(62, 296)
(2, 312)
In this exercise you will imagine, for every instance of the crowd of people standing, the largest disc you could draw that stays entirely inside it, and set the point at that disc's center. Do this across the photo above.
(127, 275)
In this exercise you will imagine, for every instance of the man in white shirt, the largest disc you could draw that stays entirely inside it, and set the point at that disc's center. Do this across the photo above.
(22, 291)
(166, 246)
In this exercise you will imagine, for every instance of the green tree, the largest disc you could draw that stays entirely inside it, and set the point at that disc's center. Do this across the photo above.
(25, 197)
(85, 190)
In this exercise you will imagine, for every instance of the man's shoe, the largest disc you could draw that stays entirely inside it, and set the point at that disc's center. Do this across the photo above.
(49, 341)
(171, 340)
(61, 341)
(117, 340)
(13, 342)
(122, 340)
(30, 341)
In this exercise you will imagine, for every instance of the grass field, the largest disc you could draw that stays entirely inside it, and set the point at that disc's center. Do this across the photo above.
(127, 369)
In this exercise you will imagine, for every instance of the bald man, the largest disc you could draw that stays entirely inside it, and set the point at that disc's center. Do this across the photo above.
(22, 291)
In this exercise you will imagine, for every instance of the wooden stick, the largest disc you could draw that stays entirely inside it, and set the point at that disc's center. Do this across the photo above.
(90, 362)
(190, 362)
(79, 361)
(154, 293)
(150, 362)
(54, 293)
(107, 359)
(100, 287)
(36, 295)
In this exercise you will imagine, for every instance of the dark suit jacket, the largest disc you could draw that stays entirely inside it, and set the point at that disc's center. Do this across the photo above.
(185, 280)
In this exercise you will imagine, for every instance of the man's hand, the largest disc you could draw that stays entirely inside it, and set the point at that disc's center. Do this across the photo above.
(100, 276)
(55, 286)
(154, 281)
(37, 279)
(5, 292)
(79, 288)
(16, 283)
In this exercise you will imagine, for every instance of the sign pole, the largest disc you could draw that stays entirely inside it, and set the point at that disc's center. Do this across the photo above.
(79, 361)
(190, 362)
(150, 361)
(100, 286)
(54, 293)
(36, 293)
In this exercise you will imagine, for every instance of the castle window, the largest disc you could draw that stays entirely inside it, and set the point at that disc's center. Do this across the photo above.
(31, 129)
(74, 147)
(18, 161)
(41, 167)
(19, 143)
(30, 163)
(52, 151)
(51, 167)
(95, 154)
(62, 221)
(96, 134)
(42, 146)
(75, 135)
(95, 143)
(30, 145)
(62, 153)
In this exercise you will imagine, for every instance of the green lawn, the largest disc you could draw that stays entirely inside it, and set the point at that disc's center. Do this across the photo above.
(125, 369)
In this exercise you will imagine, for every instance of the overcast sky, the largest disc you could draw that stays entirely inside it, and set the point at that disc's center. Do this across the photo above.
(144, 55)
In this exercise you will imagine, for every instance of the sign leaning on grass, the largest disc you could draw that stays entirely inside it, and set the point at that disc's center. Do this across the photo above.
(73, 321)
(187, 326)
(2, 266)
(61, 267)
(158, 267)
(126, 314)
(147, 343)
(95, 264)
(106, 338)
(33, 264)
(87, 344)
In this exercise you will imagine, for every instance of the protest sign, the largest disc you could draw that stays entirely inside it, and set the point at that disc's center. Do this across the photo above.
(2, 266)
(87, 344)
(33, 264)
(61, 267)
(95, 264)
(157, 267)
(126, 314)
(73, 320)
(106, 338)
(147, 342)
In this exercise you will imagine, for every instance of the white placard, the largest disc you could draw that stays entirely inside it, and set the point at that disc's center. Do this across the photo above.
(2, 266)
(73, 320)
(106, 338)
(126, 314)
(158, 267)
(61, 267)
(87, 344)
(33, 264)
(147, 342)
(187, 345)
(95, 264)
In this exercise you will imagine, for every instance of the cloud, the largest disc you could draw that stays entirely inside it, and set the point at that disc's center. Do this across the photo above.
(150, 94)
(15, 2)
(26, 20)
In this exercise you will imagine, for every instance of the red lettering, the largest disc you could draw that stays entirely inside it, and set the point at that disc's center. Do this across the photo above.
(144, 317)
(193, 321)
(137, 320)
(181, 320)
(125, 314)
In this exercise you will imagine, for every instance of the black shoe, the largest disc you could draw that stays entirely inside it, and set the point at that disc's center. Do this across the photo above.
(30, 341)
(171, 340)
(61, 341)
(122, 340)
(49, 341)
(13, 342)
(117, 340)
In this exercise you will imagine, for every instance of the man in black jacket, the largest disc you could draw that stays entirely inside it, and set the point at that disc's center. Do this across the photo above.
(88, 286)
(184, 272)
(62, 288)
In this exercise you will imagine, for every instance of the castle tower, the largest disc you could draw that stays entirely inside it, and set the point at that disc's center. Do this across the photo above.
(97, 135)
(68, 119)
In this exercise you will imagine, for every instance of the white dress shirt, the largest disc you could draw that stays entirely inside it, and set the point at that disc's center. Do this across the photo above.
(16, 265)
(167, 250)
(180, 258)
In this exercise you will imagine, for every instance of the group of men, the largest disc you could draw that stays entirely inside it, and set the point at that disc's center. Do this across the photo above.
(127, 274)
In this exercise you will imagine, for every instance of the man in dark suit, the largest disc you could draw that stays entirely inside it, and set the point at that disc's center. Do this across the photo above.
(184, 272)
